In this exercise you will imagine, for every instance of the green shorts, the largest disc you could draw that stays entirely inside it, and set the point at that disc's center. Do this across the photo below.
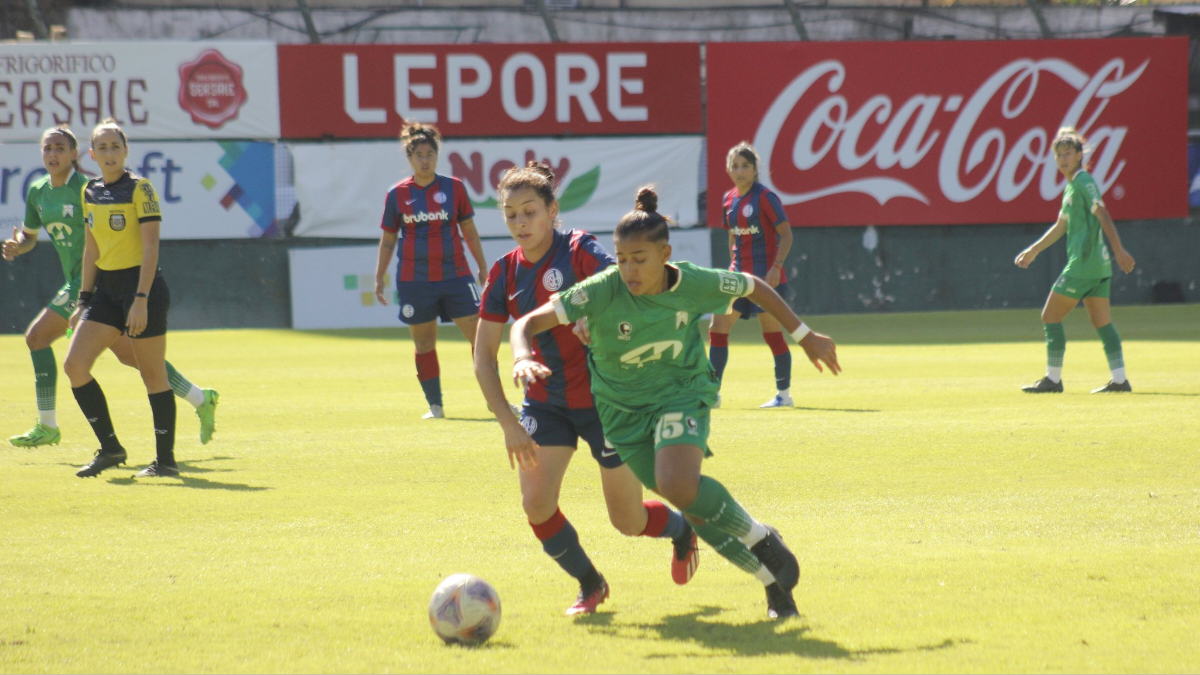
(65, 299)
(637, 437)
(1080, 288)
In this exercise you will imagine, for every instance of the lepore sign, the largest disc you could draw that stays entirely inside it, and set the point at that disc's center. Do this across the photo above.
(357, 91)
(951, 132)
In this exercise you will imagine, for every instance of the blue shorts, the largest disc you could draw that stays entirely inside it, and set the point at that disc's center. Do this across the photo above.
(553, 425)
(425, 301)
(746, 309)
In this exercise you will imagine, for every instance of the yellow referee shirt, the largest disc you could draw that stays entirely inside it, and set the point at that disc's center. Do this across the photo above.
(114, 214)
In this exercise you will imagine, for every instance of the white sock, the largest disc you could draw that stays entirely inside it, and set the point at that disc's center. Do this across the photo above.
(195, 396)
(764, 575)
(48, 418)
(1055, 374)
(756, 534)
(785, 393)
(1119, 375)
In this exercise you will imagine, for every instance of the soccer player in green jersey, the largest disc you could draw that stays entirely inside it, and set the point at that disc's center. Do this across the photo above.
(1085, 221)
(654, 385)
(54, 204)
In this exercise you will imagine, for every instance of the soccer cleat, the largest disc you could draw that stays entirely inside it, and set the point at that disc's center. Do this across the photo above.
(40, 434)
(102, 460)
(778, 559)
(780, 604)
(686, 557)
(207, 412)
(156, 470)
(1113, 387)
(589, 600)
(780, 401)
(435, 413)
(1044, 386)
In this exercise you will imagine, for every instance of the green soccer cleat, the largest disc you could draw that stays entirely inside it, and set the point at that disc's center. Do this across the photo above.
(207, 412)
(40, 434)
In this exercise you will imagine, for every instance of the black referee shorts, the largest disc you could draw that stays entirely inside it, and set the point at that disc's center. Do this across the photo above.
(114, 296)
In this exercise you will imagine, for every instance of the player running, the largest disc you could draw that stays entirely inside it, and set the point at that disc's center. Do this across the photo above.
(1087, 276)
(760, 237)
(559, 410)
(54, 204)
(427, 212)
(654, 387)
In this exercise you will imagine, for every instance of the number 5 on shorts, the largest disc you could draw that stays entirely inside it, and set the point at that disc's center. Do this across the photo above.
(669, 426)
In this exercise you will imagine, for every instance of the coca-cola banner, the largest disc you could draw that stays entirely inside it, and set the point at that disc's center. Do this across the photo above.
(157, 90)
(368, 91)
(911, 133)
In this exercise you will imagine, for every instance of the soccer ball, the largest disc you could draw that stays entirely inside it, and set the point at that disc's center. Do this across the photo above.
(465, 610)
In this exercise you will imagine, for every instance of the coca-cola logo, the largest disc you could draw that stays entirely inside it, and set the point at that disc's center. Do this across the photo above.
(211, 89)
(886, 138)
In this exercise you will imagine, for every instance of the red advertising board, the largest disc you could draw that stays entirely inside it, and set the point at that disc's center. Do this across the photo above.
(911, 133)
(357, 91)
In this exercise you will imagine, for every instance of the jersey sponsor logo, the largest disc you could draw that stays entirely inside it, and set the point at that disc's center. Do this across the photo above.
(424, 217)
(439, 197)
(408, 311)
(60, 231)
(116, 221)
(681, 319)
(732, 283)
(530, 425)
(624, 330)
(748, 210)
(552, 280)
(652, 352)
(579, 298)
(151, 198)
(743, 231)
(61, 299)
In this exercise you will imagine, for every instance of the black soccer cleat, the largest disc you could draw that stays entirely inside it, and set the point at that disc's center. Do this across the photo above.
(1043, 386)
(778, 559)
(156, 470)
(780, 604)
(1113, 387)
(102, 460)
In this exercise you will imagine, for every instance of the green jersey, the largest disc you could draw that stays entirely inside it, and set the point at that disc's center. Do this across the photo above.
(59, 211)
(648, 348)
(1087, 255)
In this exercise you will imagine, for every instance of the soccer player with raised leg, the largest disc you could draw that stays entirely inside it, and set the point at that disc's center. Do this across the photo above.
(654, 386)
(54, 204)
(1087, 276)
(559, 411)
(432, 215)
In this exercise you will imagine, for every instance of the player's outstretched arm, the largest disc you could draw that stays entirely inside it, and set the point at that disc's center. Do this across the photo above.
(1056, 231)
(819, 348)
(1124, 260)
(520, 338)
(521, 448)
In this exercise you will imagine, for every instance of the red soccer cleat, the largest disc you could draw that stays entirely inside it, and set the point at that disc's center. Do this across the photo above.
(589, 600)
(685, 558)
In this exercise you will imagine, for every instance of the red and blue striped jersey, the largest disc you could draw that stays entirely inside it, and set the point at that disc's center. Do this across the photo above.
(752, 219)
(516, 287)
(427, 221)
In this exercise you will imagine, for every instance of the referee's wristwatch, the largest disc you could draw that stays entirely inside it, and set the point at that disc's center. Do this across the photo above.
(141, 295)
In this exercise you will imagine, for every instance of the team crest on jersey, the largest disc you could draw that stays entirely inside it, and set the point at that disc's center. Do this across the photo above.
(68, 210)
(681, 319)
(692, 426)
(748, 210)
(579, 298)
(530, 425)
(624, 330)
(116, 221)
(439, 197)
(408, 311)
(552, 280)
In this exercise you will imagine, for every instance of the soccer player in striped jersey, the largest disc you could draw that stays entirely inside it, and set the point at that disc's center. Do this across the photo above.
(431, 217)
(558, 411)
(654, 387)
(1087, 276)
(759, 240)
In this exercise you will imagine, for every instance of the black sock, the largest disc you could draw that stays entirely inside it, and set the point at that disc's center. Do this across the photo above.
(95, 408)
(162, 407)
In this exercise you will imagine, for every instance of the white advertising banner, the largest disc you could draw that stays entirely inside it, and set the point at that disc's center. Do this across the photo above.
(341, 186)
(207, 189)
(334, 287)
(156, 90)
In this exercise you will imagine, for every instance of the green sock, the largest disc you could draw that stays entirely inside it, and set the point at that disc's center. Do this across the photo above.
(715, 506)
(728, 547)
(1056, 348)
(1112, 349)
(45, 374)
(183, 387)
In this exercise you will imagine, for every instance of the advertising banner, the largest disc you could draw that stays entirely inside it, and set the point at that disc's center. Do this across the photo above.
(597, 180)
(156, 90)
(207, 189)
(368, 91)
(912, 133)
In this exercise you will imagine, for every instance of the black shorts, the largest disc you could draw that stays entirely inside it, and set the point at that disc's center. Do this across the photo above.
(554, 425)
(114, 296)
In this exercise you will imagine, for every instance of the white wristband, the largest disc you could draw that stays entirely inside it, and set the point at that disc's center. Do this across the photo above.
(800, 332)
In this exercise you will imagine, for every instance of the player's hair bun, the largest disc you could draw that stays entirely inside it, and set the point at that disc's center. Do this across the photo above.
(541, 169)
(647, 200)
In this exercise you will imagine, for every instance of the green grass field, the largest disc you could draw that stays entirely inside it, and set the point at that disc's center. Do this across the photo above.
(944, 520)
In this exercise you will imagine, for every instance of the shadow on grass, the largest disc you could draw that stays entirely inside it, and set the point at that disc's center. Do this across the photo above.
(1161, 393)
(187, 481)
(764, 638)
